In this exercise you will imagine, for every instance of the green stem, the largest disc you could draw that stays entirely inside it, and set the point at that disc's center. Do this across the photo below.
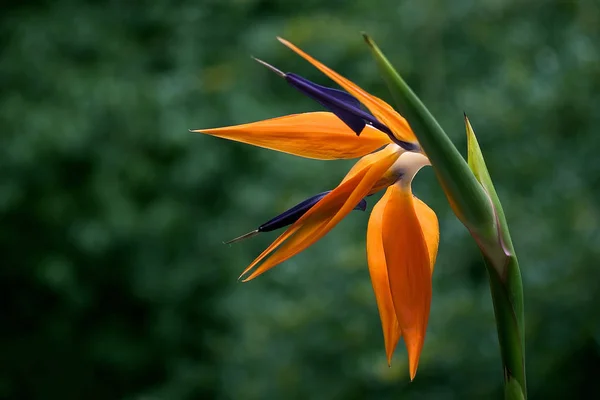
(509, 322)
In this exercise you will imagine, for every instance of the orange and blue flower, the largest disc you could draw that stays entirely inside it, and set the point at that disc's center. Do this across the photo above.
(403, 232)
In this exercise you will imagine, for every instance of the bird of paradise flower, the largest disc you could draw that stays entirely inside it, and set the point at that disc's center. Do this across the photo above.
(402, 233)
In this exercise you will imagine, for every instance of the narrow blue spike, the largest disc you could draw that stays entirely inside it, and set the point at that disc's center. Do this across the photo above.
(292, 215)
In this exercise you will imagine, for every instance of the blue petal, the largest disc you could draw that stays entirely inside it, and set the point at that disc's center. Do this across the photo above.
(343, 105)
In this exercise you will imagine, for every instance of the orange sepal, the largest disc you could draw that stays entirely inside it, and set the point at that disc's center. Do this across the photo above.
(319, 135)
(380, 109)
(321, 218)
(409, 269)
(379, 278)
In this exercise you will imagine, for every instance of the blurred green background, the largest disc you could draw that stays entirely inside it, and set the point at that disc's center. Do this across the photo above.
(114, 281)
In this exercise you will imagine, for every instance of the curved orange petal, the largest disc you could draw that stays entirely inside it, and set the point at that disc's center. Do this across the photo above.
(327, 213)
(409, 270)
(380, 109)
(319, 135)
(379, 278)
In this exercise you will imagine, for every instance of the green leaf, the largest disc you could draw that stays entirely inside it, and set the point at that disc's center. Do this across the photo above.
(509, 323)
(505, 282)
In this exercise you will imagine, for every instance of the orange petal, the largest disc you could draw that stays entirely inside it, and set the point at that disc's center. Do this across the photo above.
(319, 135)
(380, 109)
(409, 270)
(430, 227)
(379, 278)
(327, 213)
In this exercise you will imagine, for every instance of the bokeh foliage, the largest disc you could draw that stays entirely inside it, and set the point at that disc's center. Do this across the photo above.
(114, 280)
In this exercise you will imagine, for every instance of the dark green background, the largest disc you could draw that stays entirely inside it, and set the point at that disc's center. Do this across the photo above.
(114, 281)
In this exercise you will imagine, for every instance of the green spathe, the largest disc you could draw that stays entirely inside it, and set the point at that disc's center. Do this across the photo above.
(467, 198)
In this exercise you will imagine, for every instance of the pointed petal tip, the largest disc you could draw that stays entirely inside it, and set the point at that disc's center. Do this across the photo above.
(284, 41)
(241, 277)
(467, 122)
(413, 359)
(249, 274)
(244, 236)
(367, 38)
(208, 131)
(253, 275)
(269, 66)
(412, 368)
